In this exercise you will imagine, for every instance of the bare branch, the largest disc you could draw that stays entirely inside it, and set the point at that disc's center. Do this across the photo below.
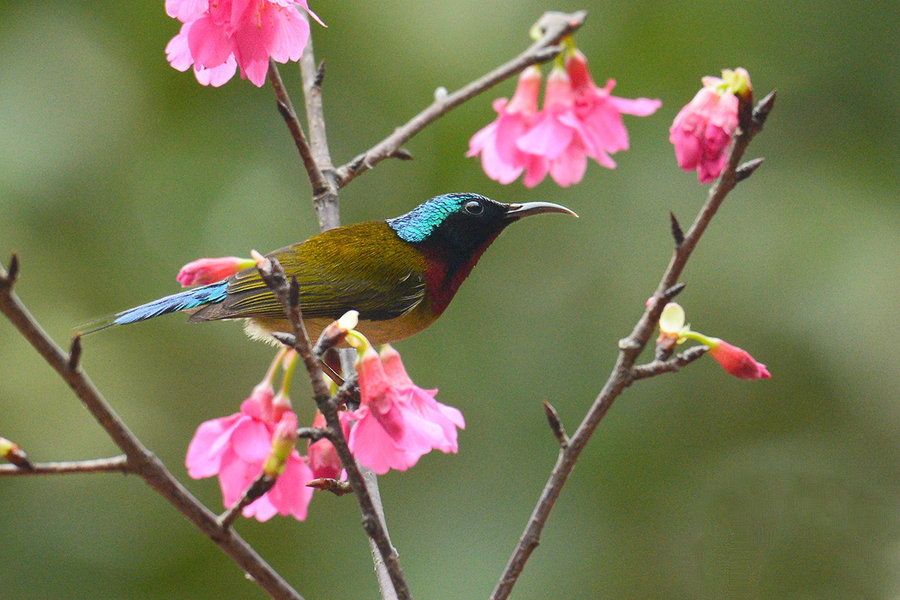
(273, 275)
(623, 374)
(140, 460)
(373, 521)
(262, 484)
(286, 108)
(672, 365)
(325, 200)
(116, 464)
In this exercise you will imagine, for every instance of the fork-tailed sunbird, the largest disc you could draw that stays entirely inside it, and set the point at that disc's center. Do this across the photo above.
(400, 274)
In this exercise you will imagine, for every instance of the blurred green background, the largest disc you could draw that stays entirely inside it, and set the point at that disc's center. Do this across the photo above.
(115, 169)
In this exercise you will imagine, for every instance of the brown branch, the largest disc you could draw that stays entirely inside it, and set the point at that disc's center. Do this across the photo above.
(672, 365)
(373, 520)
(288, 294)
(262, 484)
(555, 27)
(286, 108)
(325, 200)
(116, 464)
(556, 425)
(623, 374)
(140, 460)
(326, 204)
(338, 488)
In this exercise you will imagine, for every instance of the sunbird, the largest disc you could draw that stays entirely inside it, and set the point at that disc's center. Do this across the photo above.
(400, 274)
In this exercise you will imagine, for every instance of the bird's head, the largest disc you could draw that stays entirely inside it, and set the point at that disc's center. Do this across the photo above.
(464, 224)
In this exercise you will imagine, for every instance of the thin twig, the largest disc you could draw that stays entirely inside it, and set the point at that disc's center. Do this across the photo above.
(283, 101)
(672, 365)
(262, 484)
(287, 293)
(325, 200)
(326, 203)
(336, 487)
(273, 275)
(623, 374)
(115, 464)
(555, 27)
(140, 460)
(556, 426)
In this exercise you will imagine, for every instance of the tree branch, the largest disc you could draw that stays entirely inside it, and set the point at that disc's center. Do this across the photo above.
(116, 464)
(139, 459)
(326, 204)
(325, 201)
(624, 371)
(672, 365)
(555, 27)
(286, 108)
(366, 493)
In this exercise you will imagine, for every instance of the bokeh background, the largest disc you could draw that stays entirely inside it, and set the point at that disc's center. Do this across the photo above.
(115, 169)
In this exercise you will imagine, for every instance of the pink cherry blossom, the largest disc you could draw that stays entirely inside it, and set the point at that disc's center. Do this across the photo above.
(397, 422)
(559, 137)
(218, 37)
(600, 112)
(737, 361)
(501, 158)
(702, 131)
(236, 447)
(447, 417)
(210, 270)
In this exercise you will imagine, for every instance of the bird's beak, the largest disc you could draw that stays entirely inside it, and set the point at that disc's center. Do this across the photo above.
(517, 211)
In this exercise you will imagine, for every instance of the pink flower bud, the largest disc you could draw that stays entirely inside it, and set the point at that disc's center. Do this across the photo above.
(210, 270)
(737, 361)
(283, 441)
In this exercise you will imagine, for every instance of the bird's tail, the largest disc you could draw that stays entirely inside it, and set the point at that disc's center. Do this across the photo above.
(208, 294)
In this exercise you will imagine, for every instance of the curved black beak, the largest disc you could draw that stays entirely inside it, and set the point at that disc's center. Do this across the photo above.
(517, 211)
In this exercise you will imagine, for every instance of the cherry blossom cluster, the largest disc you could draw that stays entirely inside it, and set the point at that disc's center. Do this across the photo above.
(218, 36)
(578, 120)
(396, 423)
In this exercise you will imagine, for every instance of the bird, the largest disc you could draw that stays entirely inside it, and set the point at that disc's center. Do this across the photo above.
(400, 274)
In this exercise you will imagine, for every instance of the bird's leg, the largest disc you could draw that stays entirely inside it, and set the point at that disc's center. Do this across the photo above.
(331, 366)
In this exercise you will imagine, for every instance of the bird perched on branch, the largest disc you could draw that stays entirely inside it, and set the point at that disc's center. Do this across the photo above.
(400, 274)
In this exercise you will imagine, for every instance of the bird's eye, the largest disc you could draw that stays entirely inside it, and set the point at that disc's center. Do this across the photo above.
(474, 207)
